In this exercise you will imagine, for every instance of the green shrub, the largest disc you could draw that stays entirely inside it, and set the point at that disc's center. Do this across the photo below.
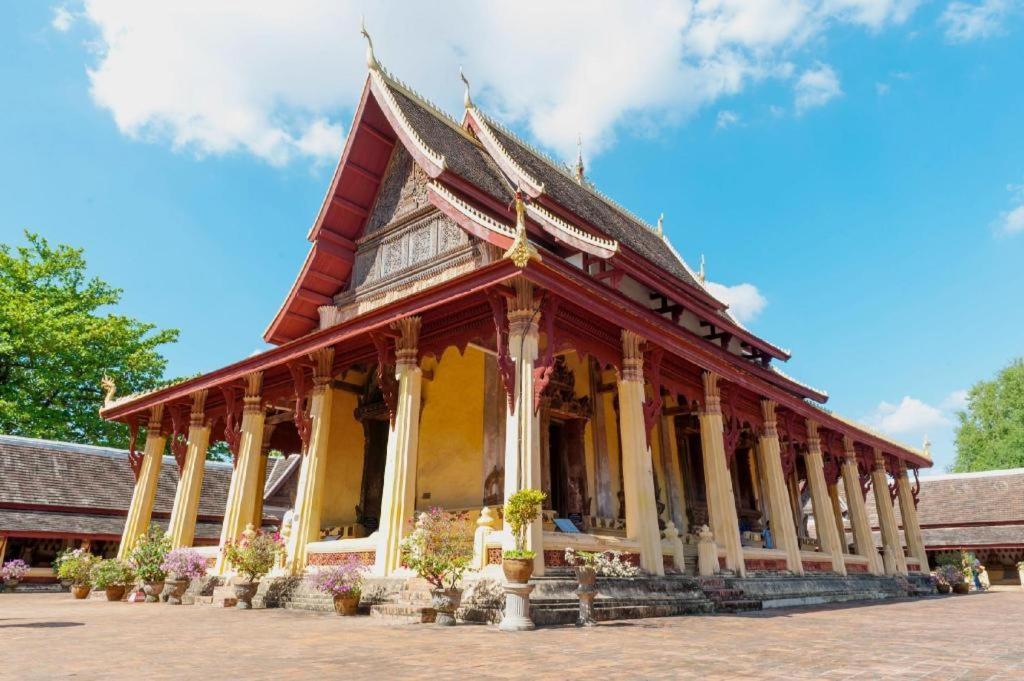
(521, 509)
(147, 556)
(112, 572)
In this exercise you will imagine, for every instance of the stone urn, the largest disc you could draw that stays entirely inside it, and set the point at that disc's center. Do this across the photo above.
(586, 590)
(446, 602)
(115, 592)
(962, 588)
(244, 592)
(175, 590)
(10, 585)
(347, 604)
(153, 591)
(517, 570)
(80, 591)
(943, 587)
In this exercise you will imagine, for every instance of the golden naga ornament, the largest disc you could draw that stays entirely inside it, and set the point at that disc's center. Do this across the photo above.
(521, 251)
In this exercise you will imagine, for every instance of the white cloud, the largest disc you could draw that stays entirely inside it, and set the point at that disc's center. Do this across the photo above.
(726, 119)
(276, 81)
(965, 21)
(1011, 221)
(62, 19)
(816, 87)
(955, 401)
(744, 300)
(911, 415)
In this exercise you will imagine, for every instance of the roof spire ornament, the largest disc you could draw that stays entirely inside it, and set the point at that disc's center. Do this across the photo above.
(927, 446)
(579, 158)
(702, 275)
(371, 59)
(521, 251)
(467, 101)
(661, 225)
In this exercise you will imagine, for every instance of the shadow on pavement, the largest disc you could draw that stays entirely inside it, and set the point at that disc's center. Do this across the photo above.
(43, 625)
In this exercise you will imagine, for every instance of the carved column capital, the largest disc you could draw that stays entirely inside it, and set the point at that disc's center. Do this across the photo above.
(406, 344)
(712, 393)
(632, 356)
(849, 452)
(878, 459)
(154, 428)
(522, 309)
(253, 387)
(813, 439)
(323, 364)
(198, 415)
(770, 421)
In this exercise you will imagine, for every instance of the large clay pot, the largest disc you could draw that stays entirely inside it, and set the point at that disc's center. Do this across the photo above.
(347, 604)
(943, 588)
(153, 591)
(244, 591)
(962, 588)
(116, 592)
(80, 590)
(446, 602)
(177, 590)
(517, 570)
(10, 585)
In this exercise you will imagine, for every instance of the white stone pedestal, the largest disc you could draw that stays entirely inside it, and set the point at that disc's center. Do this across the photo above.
(517, 608)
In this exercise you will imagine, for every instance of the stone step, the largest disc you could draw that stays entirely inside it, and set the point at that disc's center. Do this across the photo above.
(397, 612)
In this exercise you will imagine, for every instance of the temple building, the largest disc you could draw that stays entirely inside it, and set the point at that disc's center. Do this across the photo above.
(472, 319)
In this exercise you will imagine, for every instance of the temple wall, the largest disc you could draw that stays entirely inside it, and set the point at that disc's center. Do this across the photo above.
(582, 388)
(450, 459)
(344, 474)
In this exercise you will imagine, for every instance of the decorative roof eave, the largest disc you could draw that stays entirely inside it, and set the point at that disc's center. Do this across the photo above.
(571, 234)
(432, 162)
(508, 165)
(884, 438)
(473, 220)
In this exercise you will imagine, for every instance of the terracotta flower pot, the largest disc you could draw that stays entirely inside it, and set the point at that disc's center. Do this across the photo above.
(153, 591)
(446, 602)
(517, 570)
(10, 585)
(177, 590)
(944, 588)
(346, 604)
(116, 592)
(962, 588)
(80, 591)
(244, 591)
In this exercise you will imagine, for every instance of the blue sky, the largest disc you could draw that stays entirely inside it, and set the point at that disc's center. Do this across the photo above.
(851, 169)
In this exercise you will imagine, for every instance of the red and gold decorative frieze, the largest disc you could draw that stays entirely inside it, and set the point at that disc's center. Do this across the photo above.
(319, 559)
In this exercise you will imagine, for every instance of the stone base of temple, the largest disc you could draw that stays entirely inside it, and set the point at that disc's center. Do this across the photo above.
(762, 591)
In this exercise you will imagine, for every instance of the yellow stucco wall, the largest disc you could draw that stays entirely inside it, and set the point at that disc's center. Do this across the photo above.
(581, 372)
(344, 474)
(611, 424)
(450, 459)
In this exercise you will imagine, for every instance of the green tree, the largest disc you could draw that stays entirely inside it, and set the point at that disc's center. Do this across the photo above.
(991, 431)
(58, 338)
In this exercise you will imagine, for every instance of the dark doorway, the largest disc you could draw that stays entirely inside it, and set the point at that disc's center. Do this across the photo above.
(374, 458)
(568, 469)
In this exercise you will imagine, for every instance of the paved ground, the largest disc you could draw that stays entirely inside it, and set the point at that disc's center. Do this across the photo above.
(48, 636)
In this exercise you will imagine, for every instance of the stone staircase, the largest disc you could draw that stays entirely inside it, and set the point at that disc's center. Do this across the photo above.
(762, 591)
(410, 605)
(726, 598)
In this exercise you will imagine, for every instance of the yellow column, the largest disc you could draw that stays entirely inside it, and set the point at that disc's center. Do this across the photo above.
(862, 539)
(261, 477)
(908, 512)
(779, 508)
(637, 466)
(718, 483)
(522, 427)
(894, 560)
(238, 512)
(837, 513)
(398, 502)
(824, 521)
(309, 494)
(141, 509)
(182, 528)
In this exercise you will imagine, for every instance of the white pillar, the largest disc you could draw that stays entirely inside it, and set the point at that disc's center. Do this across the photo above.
(824, 520)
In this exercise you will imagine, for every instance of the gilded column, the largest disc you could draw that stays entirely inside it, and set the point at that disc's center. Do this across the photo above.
(141, 509)
(241, 495)
(824, 519)
(182, 528)
(308, 496)
(894, 560)
(522, 427)
(863, 541)
(637, 466)
(398, 502)
(779, 508)
(908, 513)
(725, 525)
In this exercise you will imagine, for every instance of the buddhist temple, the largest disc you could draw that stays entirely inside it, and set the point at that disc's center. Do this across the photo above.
(473, 318)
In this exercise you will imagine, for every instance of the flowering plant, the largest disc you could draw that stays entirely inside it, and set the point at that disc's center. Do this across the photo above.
(75, 566)
(345, 579)
(184, 564)
(440, 547)
(254, 554)
(605, 563)
(147, 556)
(112, 572)
(950, 574)
(14, 569)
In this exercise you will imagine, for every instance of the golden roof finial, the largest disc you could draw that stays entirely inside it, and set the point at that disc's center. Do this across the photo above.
(467, 101)
(371, 59)
(109, 389)
(927, 446)
(579, 158)
(521, 251)
(661, 225)
(702, 275)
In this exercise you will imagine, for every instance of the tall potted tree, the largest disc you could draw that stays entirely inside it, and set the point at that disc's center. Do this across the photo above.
(147, 559)
(521, 509)
(440, 549)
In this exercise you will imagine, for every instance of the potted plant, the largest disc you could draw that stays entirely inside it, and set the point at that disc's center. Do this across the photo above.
(521, 509)
(113, 576)
(344, 582)
(76, 568)
(588, 565)
(12, 572)
(953, 575)
(252, 556)
(440, 549)
(147, 557)
(182, 566)
(941, 583)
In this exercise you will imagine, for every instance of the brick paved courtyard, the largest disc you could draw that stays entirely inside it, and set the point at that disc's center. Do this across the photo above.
(47, 636)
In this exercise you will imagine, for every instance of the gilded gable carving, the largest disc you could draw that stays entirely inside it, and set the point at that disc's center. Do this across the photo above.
(403, 191)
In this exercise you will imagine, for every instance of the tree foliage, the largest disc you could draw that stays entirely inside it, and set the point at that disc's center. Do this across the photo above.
(58, 338)
(991, 431)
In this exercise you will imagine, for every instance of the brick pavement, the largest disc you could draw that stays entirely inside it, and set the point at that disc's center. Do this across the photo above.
(48, 636)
